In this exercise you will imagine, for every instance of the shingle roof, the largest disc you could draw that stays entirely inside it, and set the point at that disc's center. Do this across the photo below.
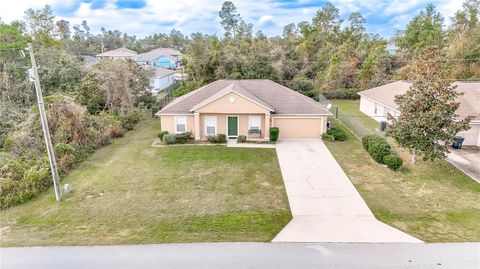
(120, 52)
(277, 98)
(469, 101)
(149, 56)
(159, 72)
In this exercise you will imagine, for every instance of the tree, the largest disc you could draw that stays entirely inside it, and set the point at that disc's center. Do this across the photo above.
(427, 109)
(423, 31)
(229, 18)
(41, 26)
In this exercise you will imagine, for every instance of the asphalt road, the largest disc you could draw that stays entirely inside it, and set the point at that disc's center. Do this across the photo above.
(247, 255)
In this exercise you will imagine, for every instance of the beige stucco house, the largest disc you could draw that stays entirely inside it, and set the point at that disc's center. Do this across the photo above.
(378, 102)
(244, 107)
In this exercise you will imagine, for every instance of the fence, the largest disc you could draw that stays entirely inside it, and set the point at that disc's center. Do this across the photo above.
(357, 128)
(165, 100)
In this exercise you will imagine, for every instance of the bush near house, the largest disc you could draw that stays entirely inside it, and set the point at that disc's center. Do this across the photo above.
(393, 162)
(161, 134)
(241, 139)
(274, 132)
(169, 139)
(220, 138)
(181, 138)
(337, 134)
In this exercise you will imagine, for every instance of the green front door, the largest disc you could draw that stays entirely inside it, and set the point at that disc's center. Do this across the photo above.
(232, 122)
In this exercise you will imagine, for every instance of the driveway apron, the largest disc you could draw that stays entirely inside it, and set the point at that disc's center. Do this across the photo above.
(325, 205)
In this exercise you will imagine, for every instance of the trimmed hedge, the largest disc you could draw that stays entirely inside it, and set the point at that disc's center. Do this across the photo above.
(161, 134)
(369, 139)
(220, 138)
(169, 139)
(184, 137)
(378, 150)
(392, 161)
(176, 138)
(376, 146)
(241, 139)
(274, 132)
(338, 134)
(328, 137)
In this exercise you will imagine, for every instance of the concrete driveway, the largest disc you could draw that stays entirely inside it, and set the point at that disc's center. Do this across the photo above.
(325, 205)
(467, 160)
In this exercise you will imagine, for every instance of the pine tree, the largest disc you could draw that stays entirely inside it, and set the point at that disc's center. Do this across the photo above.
(427, 121)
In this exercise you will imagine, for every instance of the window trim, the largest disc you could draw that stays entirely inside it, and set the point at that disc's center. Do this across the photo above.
(214, 124)
(175, 122)
(259, 122)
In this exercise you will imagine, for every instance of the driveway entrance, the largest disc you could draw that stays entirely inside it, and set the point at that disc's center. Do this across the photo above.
(325, 205)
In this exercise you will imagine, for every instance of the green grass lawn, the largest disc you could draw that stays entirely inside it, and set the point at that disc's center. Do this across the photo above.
(129, 193)
(433, 201)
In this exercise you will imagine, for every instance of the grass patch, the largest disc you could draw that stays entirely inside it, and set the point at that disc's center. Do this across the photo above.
(131, 193)
(433, 201)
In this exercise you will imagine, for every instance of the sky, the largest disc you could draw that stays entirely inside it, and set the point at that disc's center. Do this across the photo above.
(145, 17)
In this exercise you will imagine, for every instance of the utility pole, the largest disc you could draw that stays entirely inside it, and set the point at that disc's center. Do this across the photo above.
(46, 132)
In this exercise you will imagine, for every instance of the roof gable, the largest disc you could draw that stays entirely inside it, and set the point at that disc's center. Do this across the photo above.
(233, 87)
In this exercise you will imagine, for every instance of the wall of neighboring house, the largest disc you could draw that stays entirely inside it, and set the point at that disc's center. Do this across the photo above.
(472, 136)
(163, 61)
(375, 110)
(369, 107)
(159, 84)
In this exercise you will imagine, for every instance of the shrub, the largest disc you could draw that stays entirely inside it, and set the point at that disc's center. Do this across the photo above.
(338, 134)
(212, 139)
(392, 161)
(368, 139)
(378, 150)
(130, 118)
(274, 132)
(241, 139)
(161, 134)
(169, 139)
(183, 137)
(222, 138)
(328, 137)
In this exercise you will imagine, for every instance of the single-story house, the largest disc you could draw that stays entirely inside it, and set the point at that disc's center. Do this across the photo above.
(161, 57)
(120, 53)
(161, 78)
(244, 107)
(380, 101)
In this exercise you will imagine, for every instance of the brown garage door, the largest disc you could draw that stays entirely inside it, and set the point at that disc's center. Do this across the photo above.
(300, 127)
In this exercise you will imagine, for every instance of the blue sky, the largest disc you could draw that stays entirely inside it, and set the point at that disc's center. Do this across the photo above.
(144, 17)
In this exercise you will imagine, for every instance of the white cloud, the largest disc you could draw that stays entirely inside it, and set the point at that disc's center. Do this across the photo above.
(202, 15)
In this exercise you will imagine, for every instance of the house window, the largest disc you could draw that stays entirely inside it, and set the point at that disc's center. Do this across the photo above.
(254, 123)
(210, 125)
(180, 124)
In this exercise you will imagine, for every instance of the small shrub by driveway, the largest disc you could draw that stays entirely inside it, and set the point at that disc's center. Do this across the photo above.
(131, 193)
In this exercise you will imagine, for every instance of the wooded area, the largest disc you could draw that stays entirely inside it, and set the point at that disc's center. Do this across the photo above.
(87, 106)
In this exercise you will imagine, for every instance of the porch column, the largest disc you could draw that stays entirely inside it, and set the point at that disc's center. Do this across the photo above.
(196, 116)
(266, 132)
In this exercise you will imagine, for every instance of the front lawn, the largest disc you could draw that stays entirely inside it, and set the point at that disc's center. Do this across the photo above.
(129, 193)
(433, 201)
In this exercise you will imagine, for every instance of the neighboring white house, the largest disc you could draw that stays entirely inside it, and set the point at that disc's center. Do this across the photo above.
(120, 53)
(161, 78)
(378, 102)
